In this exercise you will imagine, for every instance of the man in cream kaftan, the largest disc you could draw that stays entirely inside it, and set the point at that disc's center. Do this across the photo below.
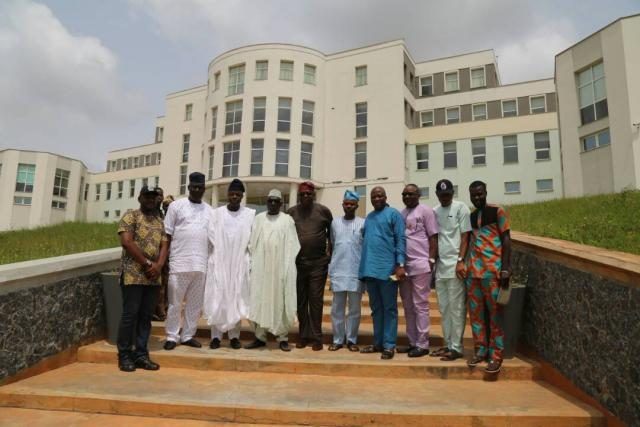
(226, 295)
(273, 248)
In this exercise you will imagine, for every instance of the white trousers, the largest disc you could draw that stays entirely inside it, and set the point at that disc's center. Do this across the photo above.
(233, 332)
(187, 287)
(452, 304)
(345, 329)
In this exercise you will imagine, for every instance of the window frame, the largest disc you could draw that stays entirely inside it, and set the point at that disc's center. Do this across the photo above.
(233, 117)
(422, 122)
(182, 179)
(446, 88)
(186, 142)
(214, 122)
(256, 108)
(595, 101)
(284, 115)
(211, 156)
(259, 165)
(361, 75)
(506, 189)
(473, 113)
(596, 136)
(445, 152)
(29, 173)
(61, 182)
(233, 154)
(260, 71)
(360, 171)
(22, 200)
(484, 77)
(446, 114)
(307, 168)
(235, 85)
(284, 73)
(515, 102)
(282, 146)
(306, 111)
(541, 150)
(216, 81)
(310, 74)
(430, 77)
(132, 188)
(544, 109)
(188, 112)
(422, 158)
(362, 129)
(479, 159)
(510, 147)
(544, 190)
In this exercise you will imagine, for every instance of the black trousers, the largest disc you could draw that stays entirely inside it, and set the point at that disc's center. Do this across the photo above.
(138, 304)
(310, 290)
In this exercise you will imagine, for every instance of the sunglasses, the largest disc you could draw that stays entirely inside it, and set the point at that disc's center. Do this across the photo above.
(405, 194)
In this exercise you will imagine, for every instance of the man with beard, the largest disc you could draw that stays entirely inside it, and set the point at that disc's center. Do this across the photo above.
(226, 295)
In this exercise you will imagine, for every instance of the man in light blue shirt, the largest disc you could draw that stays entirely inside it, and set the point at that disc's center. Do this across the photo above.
(346, 237)
(383, 256)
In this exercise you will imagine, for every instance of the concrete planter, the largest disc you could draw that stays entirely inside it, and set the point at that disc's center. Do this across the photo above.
(512, 319)
(113, 304)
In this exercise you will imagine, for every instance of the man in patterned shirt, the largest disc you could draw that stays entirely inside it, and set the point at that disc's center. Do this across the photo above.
(487, 270)
(144, 252)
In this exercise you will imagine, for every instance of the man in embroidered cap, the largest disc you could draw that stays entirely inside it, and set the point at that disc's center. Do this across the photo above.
(226, 295)
(188, 253)
(273, 247)
(346, 239)
(313, 222)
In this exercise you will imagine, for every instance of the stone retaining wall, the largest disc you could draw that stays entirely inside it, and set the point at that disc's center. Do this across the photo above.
(582, 315)
(49, 305)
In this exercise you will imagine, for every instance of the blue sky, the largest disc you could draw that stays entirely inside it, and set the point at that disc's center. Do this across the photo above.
(83, 77)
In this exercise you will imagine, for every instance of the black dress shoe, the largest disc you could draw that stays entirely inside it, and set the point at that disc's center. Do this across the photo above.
(126, 365)
(418, 352)
(147, 364)
(405, 348)
(317, 346)
(284, 346)
(387, 354)
(235, 344)
(255, 344)
(192, 343)
(371, 349)
(302, 343)
(215, 343)
(169, 345)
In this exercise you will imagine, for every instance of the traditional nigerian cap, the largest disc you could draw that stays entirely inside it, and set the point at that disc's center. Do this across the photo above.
(236, 185)
(444, 186)
(307, 186)
(148, 190)
(275, 194)
(351, 195)
(196, 178)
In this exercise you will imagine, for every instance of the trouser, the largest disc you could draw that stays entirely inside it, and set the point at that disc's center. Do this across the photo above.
(414, 292)
(310, 285)
(451, 301)
(261, 333)
(338, 306)
(161, 306)
(383, 299)
(187, 287)
(233, 332)
(138, 302)
(483, 308)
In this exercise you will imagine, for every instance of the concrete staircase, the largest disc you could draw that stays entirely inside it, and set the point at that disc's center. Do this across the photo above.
(203, 387)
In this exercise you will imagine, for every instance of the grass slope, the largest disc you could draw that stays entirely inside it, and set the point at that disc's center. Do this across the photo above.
(56, 240)
(608, 221)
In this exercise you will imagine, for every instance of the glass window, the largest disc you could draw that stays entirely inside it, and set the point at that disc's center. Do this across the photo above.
(309, 74)
(592, 94)
(509, 108)
(211, 159)
(106, 214)
(136, 162)
(230, 158)
(282, 157)
(426, 119)
(451, 81)
(185, 147)
(57, 204)
(233, 122)
(21, 200)
(306, 156)
(257, 154)
(361, 160)
(477, 77)
(109, 190)
(259, 114)
(422, 157)
(424, 192)
(284, 114)
(537, 104)
(596, 140)
(132, 188)
(426, 86)
(188, 112)
(216, 81)
(511, 187)
(361, 120)
(262, 70)
(544, 185)
(120, 189)
(86, 192)
(183, 179)
(479, 112)
(541, 142)
(450, 154)
(61, 183)
(361, 75)
(25, 178)
(214, 122)
(286, 70)
(98, 192)
(453, 115)
(479, 151)
(236, 80)
(159, 134)
(307, 117)
(510, 148)
(117, 213)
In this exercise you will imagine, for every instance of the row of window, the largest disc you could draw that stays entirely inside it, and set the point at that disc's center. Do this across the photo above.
(542, 148)
(592, 93)
(509, 108)
(510, 187)
(477, 79)
(26, 175)
(118, 188)
(235, 85)
(134, 162)
(116, 214)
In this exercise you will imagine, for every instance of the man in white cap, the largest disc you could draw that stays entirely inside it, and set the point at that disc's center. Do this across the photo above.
(273, 247)
(226, 295)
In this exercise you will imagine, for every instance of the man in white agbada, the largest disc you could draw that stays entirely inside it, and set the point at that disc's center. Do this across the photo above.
(226, 295)
(274, 247)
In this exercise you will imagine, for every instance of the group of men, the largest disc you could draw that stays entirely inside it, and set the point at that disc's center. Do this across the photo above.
(229, 264)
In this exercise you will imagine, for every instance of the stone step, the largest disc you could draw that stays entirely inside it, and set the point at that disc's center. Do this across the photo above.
(306, 361)
(365, 316)
(258, 397)
(328, 298)
(365, 333)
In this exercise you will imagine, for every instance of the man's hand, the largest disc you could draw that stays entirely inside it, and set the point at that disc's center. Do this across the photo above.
(400, 273)
(461, 270)
(153, 271)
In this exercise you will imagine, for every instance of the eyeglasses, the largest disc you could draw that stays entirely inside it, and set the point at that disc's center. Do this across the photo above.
(306, 193)
(405, 194)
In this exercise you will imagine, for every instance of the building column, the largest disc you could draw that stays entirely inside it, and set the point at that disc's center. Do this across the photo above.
(293, 194)
(214, 196)
(246, 194)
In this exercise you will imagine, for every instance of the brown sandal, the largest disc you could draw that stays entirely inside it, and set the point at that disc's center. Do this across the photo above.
(475, 361)
(440, 352)
(334, 347)
(451, 355)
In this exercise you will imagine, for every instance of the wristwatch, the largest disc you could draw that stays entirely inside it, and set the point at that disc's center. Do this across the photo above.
(148, 263)
(432, 260)
(460, 259)
(401, 265)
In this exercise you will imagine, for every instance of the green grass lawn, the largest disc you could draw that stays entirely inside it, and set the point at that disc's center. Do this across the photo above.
(56, 240)
(609, 221)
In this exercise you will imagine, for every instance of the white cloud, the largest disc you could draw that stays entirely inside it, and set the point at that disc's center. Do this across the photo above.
(59, 91)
